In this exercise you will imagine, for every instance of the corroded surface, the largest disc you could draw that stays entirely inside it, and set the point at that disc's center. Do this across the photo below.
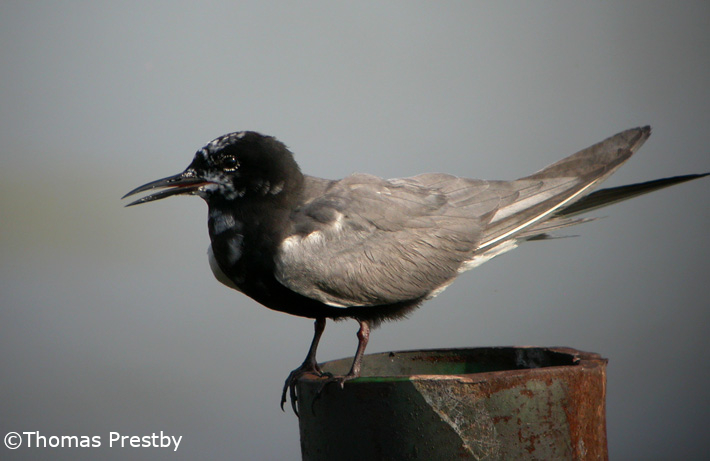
(487, 403)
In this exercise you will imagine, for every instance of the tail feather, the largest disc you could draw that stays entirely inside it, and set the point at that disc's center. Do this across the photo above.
(609, 196)
(543, 231)
(539, 196)
(599, 199)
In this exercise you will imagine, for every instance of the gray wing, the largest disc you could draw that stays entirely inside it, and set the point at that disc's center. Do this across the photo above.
(366, 241)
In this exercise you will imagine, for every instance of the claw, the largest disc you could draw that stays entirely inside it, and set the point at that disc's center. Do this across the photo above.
(331, 379)
(334, 379)
(308, 366)
(311, 366)
(292, 380)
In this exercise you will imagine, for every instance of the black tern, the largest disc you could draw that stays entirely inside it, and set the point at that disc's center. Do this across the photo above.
(374, 249)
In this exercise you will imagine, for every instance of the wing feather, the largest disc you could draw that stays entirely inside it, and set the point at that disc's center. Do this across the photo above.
(367, 241)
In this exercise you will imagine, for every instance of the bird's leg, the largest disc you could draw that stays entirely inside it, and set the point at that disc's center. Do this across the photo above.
(309, 365)
(363, 336)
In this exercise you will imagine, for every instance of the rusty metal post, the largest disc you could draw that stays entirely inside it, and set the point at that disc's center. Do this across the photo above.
(480, 403)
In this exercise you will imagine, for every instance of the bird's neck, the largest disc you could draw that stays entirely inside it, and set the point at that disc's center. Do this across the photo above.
(245, 234)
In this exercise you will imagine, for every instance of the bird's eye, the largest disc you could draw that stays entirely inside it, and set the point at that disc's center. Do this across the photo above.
(229, 163)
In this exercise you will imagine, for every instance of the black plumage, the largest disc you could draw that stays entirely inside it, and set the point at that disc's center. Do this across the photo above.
(368, 248)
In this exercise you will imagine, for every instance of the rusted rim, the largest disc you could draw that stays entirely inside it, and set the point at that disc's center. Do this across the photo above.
(473, 364)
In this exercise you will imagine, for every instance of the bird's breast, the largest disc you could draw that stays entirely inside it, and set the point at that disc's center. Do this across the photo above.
(218, 272)
(227, 249)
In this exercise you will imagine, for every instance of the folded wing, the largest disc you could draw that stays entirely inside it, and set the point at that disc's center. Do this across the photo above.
(366, 241)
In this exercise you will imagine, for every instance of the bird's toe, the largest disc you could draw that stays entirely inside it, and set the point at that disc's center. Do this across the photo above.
(292, 380)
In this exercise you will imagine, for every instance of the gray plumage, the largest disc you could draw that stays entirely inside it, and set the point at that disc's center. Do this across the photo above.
(367, 241)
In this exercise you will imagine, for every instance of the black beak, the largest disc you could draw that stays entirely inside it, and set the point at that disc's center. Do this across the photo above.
(186, 182)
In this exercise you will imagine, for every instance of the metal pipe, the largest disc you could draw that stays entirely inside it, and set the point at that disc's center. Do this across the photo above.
(477, 403)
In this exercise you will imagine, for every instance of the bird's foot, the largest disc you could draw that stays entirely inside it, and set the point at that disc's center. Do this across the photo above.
(336, 379)
(332, 379)
(293, 377)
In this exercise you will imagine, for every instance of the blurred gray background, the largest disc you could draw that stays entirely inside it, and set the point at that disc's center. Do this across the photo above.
(110, 319)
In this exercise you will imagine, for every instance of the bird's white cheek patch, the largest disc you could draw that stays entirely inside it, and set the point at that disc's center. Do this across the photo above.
(209, 187)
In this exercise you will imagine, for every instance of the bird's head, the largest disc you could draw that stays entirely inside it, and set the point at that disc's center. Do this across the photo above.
(238, 165)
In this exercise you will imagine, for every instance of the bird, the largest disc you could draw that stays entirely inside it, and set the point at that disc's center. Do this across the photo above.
(374, 249)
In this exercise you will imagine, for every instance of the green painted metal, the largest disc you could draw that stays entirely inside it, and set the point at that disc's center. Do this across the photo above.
(479, 403)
